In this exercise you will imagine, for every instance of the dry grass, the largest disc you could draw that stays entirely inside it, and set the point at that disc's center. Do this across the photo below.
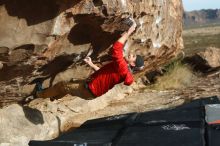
(177, 76)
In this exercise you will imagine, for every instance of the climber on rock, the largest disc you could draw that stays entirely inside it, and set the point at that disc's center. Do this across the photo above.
(104, 78)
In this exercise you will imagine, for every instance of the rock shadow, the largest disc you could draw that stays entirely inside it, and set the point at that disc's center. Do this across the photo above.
(56, 66)
(4, 53)
(59, 125)
(16, 63)
(88, 30)
(36, 11)
(197, 63)
(33, 115)
(8, 73)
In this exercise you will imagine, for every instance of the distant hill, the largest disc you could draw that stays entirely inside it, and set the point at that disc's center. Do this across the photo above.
(201, 17)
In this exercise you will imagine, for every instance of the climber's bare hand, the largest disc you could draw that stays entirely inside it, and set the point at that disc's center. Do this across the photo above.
(88, 60)
(133, 27)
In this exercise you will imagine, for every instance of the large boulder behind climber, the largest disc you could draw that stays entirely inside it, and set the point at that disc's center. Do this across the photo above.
(212, 57)
(205, 61)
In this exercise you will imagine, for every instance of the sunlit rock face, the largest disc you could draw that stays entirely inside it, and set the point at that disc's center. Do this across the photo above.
(34, 33)
(45, 40)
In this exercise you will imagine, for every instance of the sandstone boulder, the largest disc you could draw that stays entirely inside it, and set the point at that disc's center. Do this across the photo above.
(211, 56)
(205, 61)
(47, 38)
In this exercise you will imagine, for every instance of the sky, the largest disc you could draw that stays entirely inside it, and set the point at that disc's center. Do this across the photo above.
(190, 5)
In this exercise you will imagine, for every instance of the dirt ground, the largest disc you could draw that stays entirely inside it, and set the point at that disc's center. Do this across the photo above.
(211, 30)
(197, 39)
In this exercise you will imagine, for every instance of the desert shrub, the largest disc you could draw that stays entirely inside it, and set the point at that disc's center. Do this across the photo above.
(177, 75)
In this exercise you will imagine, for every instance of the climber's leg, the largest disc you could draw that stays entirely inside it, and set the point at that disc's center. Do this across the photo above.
(57, 90)
(80, 89)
